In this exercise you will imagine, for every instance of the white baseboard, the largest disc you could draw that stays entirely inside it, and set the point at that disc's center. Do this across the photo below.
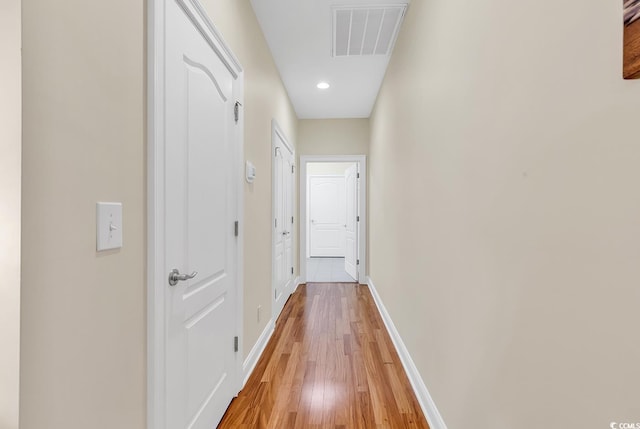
(258, 348)
(424, 398)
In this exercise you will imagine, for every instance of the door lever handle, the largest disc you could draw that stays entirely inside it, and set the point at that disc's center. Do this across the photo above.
(175, 276)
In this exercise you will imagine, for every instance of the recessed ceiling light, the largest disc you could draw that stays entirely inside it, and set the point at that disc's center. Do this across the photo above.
(323, 85)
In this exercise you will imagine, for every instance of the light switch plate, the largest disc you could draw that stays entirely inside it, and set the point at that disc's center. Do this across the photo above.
(109, 226)
(250, 171)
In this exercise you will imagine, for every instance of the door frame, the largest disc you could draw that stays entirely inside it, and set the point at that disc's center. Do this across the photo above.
(276, 132)
(156, 277)
(361, 160)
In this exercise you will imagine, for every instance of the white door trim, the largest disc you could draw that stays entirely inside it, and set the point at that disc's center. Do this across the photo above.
(156, 277)
(361, 160)
(276, 131)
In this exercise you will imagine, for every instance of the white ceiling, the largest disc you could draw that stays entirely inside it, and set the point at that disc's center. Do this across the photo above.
(299, 34)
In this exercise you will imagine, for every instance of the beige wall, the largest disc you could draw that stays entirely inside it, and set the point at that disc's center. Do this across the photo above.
(10, 179)
(265, 98)
(83, 313)
(333, 137)
(504, 212)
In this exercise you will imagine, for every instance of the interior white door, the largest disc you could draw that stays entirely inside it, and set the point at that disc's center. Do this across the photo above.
(327, 216)
(200, 212)
(283, 223)
(287, 220)
(351, 230)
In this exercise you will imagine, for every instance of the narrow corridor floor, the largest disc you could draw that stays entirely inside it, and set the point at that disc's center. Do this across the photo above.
(323, 270)
(329, 364)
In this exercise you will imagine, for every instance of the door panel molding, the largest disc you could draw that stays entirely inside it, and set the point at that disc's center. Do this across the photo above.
(326, 229)
(361, 160)
(156, 277)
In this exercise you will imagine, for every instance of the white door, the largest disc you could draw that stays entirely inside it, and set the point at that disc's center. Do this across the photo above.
(283, 223)
(351, 230)
(327, 216)
(287, 220)
(200, 212)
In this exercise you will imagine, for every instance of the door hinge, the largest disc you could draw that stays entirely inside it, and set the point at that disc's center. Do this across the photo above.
(357, 175)
(357, 218)
(276, 223)
(292, 169)
(291, 270)
(236, 226)
(358, 262)
(236, 111)
(235, 343)
(291, 219)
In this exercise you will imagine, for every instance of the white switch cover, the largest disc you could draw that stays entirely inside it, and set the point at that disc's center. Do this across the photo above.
(109, 226)
(250, 170)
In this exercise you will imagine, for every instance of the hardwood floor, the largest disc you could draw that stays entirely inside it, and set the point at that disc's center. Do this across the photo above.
(329, 364)
(632, 50)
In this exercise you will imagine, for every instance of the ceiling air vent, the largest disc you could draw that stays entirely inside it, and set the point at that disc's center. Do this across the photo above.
(366, 30)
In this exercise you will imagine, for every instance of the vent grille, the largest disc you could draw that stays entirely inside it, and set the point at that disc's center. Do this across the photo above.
(368, 30)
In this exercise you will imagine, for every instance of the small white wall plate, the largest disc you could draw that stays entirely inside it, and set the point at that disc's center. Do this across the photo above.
(108, 226)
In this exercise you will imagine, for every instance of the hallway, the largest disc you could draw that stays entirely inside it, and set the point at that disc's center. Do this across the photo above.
(499, 230)
(330, 363)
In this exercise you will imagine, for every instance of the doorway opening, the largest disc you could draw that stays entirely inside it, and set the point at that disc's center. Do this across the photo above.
(333, 218)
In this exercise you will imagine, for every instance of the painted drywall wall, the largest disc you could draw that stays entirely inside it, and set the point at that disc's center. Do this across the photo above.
(333, 137)
(83, 313)
(10, 180)
(505, 232)
(264, 99)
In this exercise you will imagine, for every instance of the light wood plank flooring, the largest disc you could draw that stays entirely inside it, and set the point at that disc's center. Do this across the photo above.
(330, 364)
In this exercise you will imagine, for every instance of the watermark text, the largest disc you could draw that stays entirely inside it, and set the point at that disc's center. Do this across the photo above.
(615, 425)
